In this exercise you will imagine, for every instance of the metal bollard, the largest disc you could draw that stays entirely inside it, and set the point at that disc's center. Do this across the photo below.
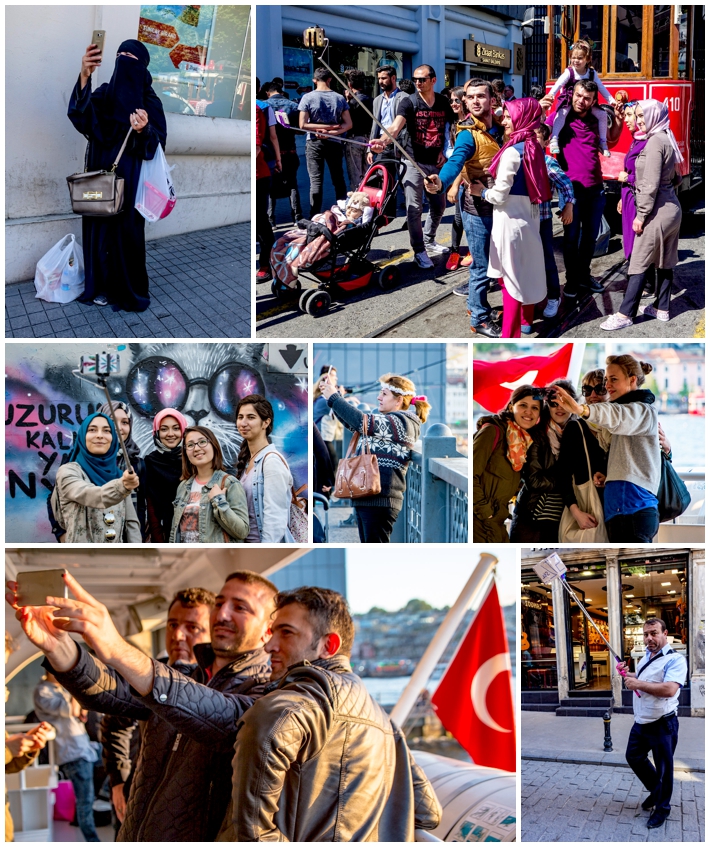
(607, 732)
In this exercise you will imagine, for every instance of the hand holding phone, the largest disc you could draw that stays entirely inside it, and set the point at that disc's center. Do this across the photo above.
(33, 587)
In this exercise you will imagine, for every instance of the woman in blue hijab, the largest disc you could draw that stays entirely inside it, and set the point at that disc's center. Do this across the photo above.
(114, 247)
(91, 499)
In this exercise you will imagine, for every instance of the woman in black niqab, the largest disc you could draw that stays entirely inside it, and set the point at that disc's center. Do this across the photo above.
(114, 247)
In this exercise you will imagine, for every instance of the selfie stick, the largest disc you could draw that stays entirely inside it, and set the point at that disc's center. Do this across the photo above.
(102, 365)
(314, 37)
(554, 568)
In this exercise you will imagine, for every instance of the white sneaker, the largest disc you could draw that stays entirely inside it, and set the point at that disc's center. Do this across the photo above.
(551, 309)
(423, 260)
(653, 312)
(554, 146)
(606, 153)
(435, 248)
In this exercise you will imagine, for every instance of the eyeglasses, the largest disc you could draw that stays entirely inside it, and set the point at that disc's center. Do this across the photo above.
(599, 390)
(417, 79)
(455, 100)
(193, 445)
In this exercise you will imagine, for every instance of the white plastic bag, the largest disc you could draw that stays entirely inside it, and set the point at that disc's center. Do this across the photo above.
(155, 198)
(59, 277)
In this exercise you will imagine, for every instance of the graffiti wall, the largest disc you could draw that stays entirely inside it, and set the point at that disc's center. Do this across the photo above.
(46, 403)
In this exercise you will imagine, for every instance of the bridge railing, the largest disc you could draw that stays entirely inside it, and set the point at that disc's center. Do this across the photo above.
(436, 500)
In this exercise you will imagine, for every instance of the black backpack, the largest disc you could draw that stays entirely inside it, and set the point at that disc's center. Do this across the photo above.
(673, 496)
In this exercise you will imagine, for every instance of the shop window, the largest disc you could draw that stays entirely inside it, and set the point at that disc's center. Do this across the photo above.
(655, 590)
(661, 41)
(590, 30)
(538, 661)
(200, 58)
(629, 39)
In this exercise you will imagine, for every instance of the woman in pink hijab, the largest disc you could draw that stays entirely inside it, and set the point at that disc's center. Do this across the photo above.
(656, 225)
(163, 471)
(521, 184)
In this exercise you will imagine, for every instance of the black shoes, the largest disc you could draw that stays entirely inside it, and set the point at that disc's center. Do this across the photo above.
(487, 328)
(593, 285)
(658, 818)
(648, 803)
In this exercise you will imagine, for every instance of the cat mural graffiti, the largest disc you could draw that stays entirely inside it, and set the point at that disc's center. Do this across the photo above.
(46, 403)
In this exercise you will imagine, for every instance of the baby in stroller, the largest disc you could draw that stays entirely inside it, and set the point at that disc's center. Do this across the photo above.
(311, 242)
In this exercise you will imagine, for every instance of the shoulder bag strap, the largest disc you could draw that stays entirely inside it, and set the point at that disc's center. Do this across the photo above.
(586, 452)
(294, 493)
(120, 152)
(366, 443)
(651, 661)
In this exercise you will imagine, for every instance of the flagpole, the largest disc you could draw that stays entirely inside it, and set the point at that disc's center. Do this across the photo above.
(477, 581)
(574, 370)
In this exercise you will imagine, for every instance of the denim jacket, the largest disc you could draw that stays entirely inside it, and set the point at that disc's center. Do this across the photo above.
(272, 501)
(227, 512)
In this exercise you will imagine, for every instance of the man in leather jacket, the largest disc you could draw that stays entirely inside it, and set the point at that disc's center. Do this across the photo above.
(180, 790)
(316, 758)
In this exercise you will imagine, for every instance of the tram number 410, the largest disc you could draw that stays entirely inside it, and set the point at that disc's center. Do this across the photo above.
(672, 103)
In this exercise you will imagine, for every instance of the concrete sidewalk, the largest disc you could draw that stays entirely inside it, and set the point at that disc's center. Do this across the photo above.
(549, 738)
(200, 287)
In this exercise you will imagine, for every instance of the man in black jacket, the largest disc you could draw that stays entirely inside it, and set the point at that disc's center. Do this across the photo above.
(180, 789)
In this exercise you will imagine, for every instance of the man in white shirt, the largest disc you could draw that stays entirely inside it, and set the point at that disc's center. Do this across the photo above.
(659, 677)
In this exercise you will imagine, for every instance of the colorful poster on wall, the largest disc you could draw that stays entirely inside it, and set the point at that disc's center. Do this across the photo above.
(298, 72)
(46, 403)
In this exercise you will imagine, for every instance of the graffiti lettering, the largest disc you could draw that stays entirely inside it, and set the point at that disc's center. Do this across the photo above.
(47, 441)
(60, 440)
(49, 461)
(23, 417)
(50, 420)
(11, 414)
(64, 410)
(15, 482)
(32, 439)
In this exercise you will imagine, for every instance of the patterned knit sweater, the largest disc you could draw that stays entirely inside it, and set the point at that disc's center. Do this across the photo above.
(391, 438)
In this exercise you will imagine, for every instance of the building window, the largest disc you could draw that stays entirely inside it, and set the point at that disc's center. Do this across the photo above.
(538, 660)
(200, 58)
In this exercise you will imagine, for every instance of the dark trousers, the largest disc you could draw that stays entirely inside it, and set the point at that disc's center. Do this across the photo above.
(264, 233)
(456, 227)
(634, 291)
(375, 523)
(640, 526)
(659, 738)
(320, 153)
(548, 249)
(580, 237)
(81, 774)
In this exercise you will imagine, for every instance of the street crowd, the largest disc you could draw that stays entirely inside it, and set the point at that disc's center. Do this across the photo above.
(484, 150)
(180, 492)
(252, 728)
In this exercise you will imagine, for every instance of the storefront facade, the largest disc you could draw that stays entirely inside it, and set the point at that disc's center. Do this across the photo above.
(201, 68)
(403, 36)
(565, 666)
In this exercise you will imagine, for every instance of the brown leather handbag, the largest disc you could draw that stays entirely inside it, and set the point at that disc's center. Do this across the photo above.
(98, 193)
(358, 476)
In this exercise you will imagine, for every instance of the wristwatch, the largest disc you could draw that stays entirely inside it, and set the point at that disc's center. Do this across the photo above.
(585, 411)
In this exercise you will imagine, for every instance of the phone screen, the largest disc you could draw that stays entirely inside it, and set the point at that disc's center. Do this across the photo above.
(33, 587)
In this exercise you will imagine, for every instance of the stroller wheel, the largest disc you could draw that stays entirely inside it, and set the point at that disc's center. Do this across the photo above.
(318, 303)
(302, 299)
(388, 278)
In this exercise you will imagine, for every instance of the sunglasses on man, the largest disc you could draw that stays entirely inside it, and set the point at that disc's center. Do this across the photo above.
(599, 390)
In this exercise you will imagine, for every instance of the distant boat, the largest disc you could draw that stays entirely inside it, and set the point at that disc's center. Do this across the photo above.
(696, 404)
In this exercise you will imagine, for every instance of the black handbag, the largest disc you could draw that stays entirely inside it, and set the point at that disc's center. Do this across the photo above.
(673, 496)
(97, 193)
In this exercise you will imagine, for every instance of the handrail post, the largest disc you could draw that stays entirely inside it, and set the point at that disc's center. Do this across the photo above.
(438, 443)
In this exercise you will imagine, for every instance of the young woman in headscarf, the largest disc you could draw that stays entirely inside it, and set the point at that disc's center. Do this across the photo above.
(124, 418)
(500, 449)
(91, 499)
(657, 216)
(521, 184)
(114, 247)
(163, 472)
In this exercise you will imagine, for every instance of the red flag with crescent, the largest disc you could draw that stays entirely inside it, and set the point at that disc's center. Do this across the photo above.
(474, 700)
(494, 382)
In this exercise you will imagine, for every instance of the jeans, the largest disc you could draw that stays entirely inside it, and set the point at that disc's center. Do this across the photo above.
(375, 523)
(580, 237)
(478, 235)
(640, 526)
(81, 774)
(264, 233)
(318, 154)
(551, 273)
(413, 190)
(356, 161)
(634, 291)
(659, 738)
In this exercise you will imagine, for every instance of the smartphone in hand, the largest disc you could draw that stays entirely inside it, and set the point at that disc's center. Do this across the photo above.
(97, 38)
(33, 587)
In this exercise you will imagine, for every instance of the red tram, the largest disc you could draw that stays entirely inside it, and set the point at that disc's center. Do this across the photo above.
(646, 52)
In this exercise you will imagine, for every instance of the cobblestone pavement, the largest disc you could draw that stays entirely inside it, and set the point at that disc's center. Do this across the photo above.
(573, 802)
(200, 287)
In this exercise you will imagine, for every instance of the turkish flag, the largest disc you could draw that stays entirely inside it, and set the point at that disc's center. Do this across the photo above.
(494, 382)
(474, 700)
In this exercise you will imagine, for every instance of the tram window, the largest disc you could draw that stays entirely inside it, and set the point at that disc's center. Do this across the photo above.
(661, 41)
(590, 29)
(683, 42)
(629, 28)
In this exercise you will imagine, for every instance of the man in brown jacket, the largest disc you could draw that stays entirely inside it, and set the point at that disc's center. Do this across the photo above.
(317, 759)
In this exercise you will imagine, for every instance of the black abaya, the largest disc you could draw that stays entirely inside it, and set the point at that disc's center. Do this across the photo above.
(114, 247)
